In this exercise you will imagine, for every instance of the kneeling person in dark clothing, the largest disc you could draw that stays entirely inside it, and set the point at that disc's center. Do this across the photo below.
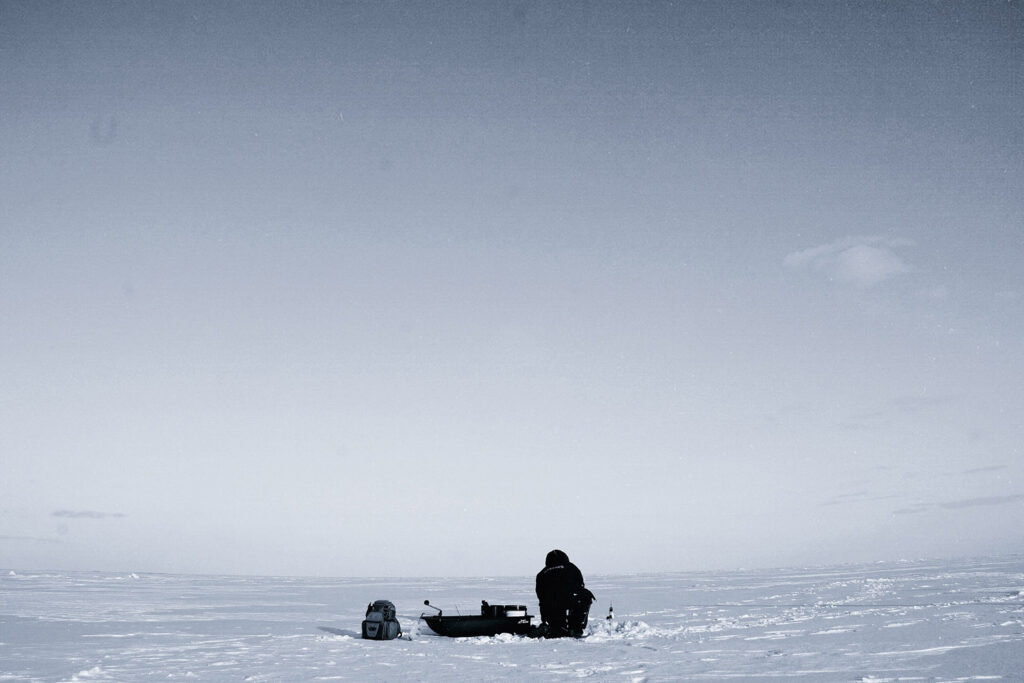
(564, 600)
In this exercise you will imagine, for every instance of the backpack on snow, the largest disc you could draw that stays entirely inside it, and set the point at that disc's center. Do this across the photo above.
(380, 622)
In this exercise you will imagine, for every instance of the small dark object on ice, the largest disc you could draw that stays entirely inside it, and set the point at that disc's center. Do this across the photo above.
(380, 622)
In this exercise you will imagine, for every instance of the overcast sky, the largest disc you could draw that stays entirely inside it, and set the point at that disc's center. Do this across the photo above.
(433, 288)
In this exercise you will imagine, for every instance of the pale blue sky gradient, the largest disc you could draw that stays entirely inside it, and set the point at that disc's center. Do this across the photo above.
(433, 288)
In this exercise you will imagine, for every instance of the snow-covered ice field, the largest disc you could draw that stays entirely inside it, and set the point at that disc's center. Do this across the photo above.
(927, 620)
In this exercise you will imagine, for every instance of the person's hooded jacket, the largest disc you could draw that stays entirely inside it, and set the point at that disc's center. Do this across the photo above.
(557, 585)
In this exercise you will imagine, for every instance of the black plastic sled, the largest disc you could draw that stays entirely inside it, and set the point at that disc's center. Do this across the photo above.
(492, 620)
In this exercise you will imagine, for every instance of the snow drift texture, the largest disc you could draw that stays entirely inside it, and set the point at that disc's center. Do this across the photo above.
(937, 620)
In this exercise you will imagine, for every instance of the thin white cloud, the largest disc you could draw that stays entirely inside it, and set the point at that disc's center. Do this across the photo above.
(975, 502)
(989, 468)
(86, 514)
(858, 261)
(33, 539)
(917, 508)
